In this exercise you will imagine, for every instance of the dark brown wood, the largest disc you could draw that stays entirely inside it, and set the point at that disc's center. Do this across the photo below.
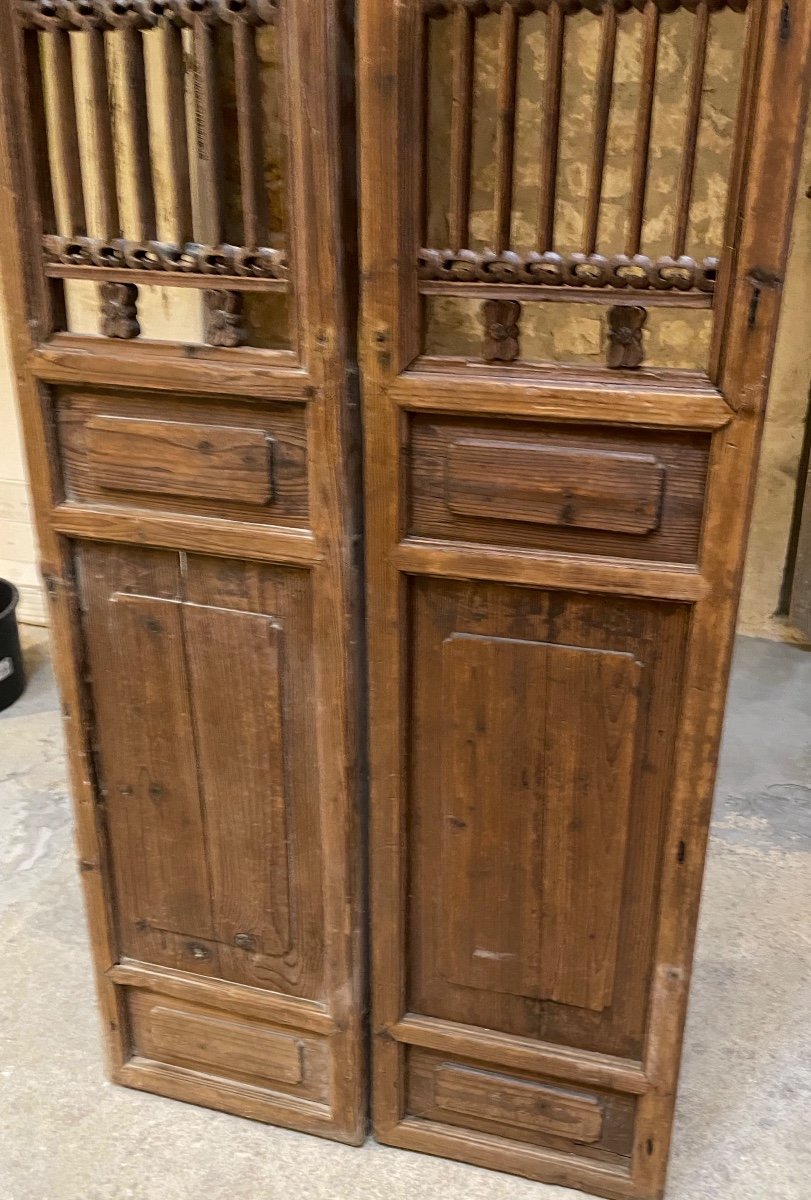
(625, 346)
(555, 486)
(593, 490)
(177, 184)
(213, 462)
(546, 695)
(195, 508)
(501, 322)
(119, 310)
(224, 319)
(208, 133)
(251, 142)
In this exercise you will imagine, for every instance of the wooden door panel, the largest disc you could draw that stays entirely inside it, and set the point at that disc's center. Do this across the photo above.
(235, 670)
(211, 819)
(184, 459)
(565, 351)
(585, 489)
(538, 761)
(134, 450)
(184, 330)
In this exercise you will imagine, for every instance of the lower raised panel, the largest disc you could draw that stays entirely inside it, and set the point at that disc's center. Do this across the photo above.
(202, 681)
(541, 1112)
(542, 734)
(204, 691)
(228, 1046)
(540, 748)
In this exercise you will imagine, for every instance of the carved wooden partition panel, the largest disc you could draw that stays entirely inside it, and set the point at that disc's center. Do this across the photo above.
(557, 503)
(185, 164)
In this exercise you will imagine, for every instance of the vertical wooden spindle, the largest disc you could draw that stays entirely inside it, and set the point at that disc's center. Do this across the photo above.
(175, 144)
(133, 135)
(639, 167)
(505, 130)
(34, 129)
(101, 196)
(208, 219)
(553, 87)
(249, 120)
(52, 106)
(422, 104)
(602, 109)
(464, 34)
(688, 162)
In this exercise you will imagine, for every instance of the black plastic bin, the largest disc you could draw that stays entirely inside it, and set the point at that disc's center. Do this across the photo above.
(12, 675)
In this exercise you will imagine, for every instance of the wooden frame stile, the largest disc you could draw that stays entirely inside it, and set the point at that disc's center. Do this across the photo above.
(321, 1036)
(399, 389)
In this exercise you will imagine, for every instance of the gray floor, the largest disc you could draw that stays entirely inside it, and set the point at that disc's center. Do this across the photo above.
(744, 1118)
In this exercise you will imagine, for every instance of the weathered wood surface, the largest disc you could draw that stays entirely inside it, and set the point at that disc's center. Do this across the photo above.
(546, 699)
(194, 507)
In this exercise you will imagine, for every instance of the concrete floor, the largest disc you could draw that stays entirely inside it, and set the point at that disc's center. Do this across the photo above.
(744, 1117)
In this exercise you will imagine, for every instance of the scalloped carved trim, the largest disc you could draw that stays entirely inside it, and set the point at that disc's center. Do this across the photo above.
(569, 270)
(141, 14)
(479, 8)
(191, 259)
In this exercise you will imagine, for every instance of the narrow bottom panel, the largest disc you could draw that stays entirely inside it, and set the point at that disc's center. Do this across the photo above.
(550, 1128)
(234, 1048)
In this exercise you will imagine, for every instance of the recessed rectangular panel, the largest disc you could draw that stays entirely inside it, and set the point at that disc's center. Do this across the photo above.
(588, 489)
(538, 753)
(209, 456)
(548, 485)
(225, 1045)
(529, 1105)
(216, 1040)
(180, 458)
(535, 820)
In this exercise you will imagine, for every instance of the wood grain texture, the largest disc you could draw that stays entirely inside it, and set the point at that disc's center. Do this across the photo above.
(590, 489)
(211, 1043)
(131, 451)
(555, 673)
(514, 823)
(527, 1105)
(435, 574)
(240, 577)
(224, 1045)
(541, 1113)
(208, 462)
